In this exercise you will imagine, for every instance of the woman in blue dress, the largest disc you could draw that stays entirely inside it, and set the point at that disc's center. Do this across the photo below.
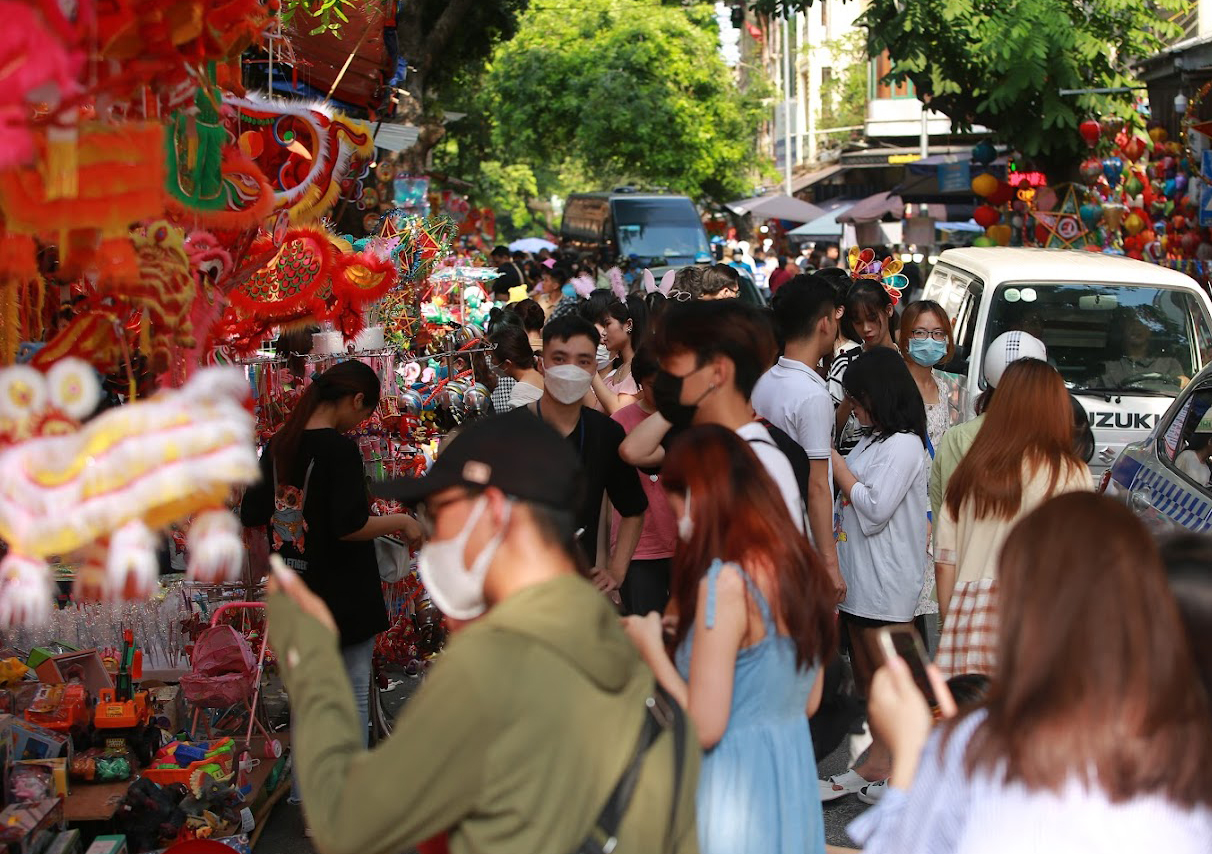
(756, 620)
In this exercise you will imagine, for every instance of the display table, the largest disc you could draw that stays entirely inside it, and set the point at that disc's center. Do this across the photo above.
(99, 801)
(94, 801)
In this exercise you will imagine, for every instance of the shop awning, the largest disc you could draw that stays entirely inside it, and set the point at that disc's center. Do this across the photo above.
(880, 207)
(803, 182)
(825, 227)
(776, 206)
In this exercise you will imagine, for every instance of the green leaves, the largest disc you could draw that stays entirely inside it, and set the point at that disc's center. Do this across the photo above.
(1001, 63)
(328, 12)
(641, 96)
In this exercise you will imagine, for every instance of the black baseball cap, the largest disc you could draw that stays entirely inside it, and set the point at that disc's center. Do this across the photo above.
(518, 453)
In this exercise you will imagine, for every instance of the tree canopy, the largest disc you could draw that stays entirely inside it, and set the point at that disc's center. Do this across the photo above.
(622, 91)
(1002, 63)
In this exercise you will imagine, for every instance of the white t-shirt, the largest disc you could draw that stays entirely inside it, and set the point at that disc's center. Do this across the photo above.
(794, 398)
(777, 466)
(881, 528)
(524, 393)
(1189, 463)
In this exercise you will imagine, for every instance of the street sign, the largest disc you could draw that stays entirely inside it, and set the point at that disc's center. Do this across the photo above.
(1205, 168)
(954, 177)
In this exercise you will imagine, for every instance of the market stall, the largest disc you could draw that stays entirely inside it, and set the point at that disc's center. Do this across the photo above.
(172, 276)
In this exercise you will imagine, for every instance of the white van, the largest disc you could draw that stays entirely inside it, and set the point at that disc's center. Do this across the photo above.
(1125, 335)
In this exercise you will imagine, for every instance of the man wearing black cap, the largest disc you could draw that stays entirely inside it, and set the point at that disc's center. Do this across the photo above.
(511, 273)
(498, 748)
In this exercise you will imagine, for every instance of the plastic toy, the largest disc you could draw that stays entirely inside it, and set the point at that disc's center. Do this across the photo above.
(123, 714)
(62, 708)
(183, 762)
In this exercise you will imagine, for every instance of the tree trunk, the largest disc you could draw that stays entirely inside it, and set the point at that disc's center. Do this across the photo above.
(421, 50)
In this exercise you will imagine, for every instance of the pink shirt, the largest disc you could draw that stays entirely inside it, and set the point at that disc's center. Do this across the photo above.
(660, 532)
(628, 386)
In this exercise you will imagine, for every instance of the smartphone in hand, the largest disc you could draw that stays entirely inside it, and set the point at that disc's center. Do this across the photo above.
(903, 641)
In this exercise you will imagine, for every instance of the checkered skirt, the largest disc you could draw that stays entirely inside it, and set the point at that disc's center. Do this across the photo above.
(969, 639)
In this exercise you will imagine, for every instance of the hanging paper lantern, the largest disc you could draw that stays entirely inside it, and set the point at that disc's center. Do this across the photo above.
(1158, 134)
(1090, 131)
(986, 215)
(1133, 149)
(1190, 243)
(1134, 224)
(983, 241)
(1091, 170)
(999, 234)
(984, 153)
(1113, 215)
(1091, 214)
(1113, 170)
(984, 185)
(1001, 195)
(1133, 186)
(1180, 183)
(1110, 126)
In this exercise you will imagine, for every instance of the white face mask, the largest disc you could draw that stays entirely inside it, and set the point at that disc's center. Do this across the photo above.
(458, 590)
(685, 523)
(604, 357)
(567, 383)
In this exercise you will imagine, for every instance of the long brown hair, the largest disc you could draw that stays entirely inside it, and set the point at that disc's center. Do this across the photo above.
(1094, 677)
(342, 380)
(738, 515)
(1030, 419)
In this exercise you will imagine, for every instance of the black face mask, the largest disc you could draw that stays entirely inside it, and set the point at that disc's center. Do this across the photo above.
(667, 395)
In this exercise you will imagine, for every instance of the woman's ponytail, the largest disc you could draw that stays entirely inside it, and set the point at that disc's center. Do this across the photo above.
(337, 383)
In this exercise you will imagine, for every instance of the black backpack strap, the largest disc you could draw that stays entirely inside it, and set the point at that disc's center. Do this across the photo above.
(663, 713)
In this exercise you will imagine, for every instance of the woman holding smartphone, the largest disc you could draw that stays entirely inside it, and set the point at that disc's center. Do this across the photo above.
(1095, 734)
(881, 530)
(754, 622)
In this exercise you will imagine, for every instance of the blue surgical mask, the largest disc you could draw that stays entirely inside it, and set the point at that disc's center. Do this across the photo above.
(568, 290)
(927, 353)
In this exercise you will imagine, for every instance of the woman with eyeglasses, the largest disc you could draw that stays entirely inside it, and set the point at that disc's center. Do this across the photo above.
(926, 340)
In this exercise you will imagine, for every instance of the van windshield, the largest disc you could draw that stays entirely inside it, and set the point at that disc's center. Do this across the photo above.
(1110, 339)
(665, 230)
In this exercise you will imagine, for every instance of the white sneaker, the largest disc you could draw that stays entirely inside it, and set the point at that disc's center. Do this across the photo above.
(872, 792)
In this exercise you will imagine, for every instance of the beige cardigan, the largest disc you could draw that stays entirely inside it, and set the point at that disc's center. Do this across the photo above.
(974, 545)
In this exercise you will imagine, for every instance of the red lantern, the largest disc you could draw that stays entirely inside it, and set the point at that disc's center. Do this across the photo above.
(1090, 131)
(1133, 149)
(1190, 243)
(1001, 195)
(987, 215)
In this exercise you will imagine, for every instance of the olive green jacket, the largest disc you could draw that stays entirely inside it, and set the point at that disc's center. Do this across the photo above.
(947, 457)
(513, 744)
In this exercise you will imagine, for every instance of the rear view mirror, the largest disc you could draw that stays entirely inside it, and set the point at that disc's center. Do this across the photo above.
(1098, 302)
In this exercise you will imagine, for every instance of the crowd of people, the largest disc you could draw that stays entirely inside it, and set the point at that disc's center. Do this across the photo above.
(761, 497)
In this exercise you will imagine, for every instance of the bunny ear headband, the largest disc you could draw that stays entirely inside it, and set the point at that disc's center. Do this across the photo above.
(887, 272)
(651, 287)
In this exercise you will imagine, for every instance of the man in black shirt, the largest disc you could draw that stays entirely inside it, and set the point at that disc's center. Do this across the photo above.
(511, 273)
(569, 360)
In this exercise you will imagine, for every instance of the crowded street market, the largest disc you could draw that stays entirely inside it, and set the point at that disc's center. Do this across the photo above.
(546, 426)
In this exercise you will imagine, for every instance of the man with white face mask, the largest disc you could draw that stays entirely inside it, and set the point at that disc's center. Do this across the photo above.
(569, 361)
(497, 750)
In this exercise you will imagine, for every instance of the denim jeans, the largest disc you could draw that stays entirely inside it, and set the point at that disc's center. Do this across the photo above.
(358, 659)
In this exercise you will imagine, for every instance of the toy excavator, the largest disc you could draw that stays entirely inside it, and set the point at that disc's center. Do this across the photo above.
(123, 714)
